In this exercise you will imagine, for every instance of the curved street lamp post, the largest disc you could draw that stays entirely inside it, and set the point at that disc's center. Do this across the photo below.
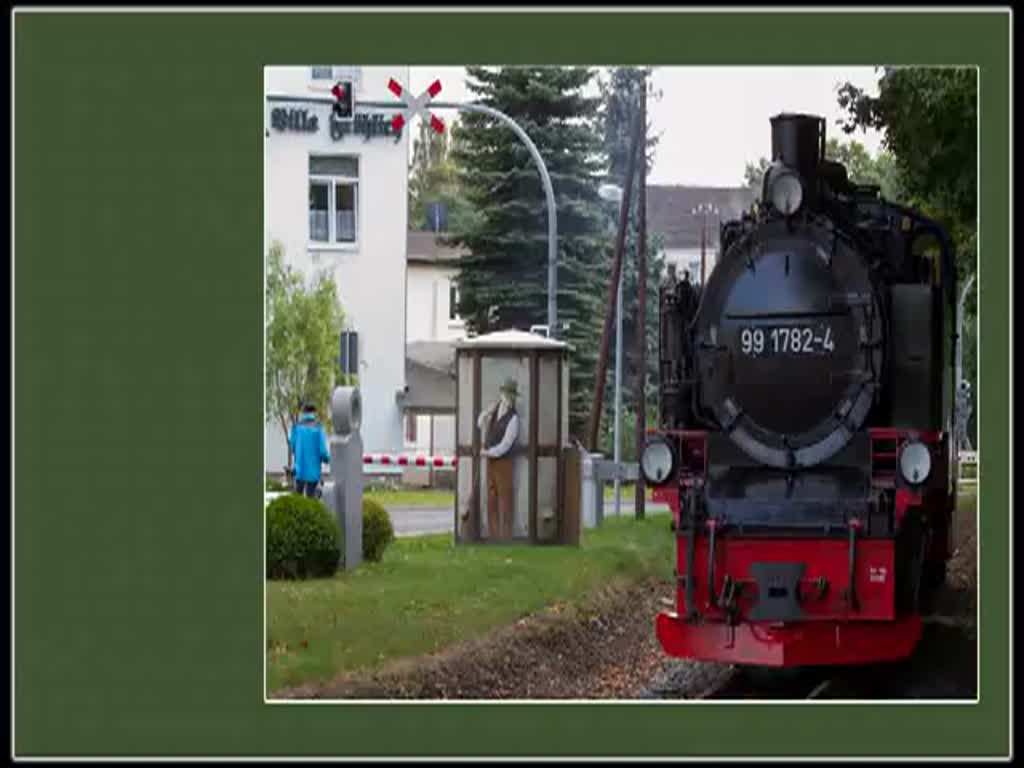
(613, 193)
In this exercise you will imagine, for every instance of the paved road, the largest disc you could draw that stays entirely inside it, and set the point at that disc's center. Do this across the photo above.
(420, 520)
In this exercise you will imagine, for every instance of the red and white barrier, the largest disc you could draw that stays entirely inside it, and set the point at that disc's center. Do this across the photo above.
(409, 461)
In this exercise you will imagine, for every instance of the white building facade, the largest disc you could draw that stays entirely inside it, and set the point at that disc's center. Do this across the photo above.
(431, 313)
(335, 199)
(685, 217)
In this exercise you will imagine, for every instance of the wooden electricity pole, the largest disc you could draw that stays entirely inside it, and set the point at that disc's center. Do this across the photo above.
(620, 244)
(640, 399)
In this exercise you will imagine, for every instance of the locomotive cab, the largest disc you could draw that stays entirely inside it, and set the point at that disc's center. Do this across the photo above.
(804, 428)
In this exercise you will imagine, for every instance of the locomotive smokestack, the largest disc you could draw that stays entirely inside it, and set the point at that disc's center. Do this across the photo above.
(799, 142)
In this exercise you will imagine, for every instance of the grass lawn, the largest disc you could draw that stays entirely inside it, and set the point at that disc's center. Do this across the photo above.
(628, 492)
(967, 499)
(427, 593)
(411, 497)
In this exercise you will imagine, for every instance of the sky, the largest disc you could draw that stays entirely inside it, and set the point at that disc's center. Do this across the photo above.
(712, 121)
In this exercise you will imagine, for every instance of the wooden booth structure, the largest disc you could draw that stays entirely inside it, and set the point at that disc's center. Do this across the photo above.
(545, 503)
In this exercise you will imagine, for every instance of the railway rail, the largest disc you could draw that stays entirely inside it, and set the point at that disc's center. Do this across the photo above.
(750, 683)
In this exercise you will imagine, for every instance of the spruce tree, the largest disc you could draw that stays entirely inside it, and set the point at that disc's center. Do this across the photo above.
(503, 280)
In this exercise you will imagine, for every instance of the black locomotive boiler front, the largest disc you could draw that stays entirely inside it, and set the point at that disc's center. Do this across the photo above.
(823, 317)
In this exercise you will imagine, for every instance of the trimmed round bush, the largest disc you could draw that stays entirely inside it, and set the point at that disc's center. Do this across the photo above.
(303, 540)
(377, 530)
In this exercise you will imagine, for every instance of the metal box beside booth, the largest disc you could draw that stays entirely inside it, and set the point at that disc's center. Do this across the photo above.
(545, 505)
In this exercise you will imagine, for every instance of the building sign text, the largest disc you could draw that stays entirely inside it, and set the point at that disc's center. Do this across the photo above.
(294, 120)
(368, 126)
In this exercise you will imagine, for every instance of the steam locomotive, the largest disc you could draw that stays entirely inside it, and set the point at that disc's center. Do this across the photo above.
(805, 444)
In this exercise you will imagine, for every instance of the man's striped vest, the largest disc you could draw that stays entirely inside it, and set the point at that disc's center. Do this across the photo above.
(497, 427)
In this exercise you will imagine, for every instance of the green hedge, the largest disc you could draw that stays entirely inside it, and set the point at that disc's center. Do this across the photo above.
(377, 530)
(303, 540)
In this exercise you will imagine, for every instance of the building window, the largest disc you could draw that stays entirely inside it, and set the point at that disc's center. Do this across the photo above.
(333, 199)
(410, 427)
(323, 73)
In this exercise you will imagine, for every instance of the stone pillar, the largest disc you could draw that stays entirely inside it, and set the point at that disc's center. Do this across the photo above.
(343, 495)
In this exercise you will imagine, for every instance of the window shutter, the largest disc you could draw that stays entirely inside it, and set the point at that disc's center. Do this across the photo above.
(349, 353)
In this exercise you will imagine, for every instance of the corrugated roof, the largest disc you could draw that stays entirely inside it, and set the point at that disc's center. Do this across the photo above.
(430, 377)
(670, 211)
(425, 246)
(439, 355)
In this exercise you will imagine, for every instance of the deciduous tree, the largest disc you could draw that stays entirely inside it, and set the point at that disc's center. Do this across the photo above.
(930, 119)
(433, 177)
(303, 322)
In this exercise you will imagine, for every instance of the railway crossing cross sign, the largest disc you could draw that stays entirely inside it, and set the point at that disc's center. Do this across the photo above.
(415, 105)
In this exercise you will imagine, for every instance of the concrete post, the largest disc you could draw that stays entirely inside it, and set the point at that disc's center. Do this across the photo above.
(343, 495)
(960, 330)
(592, 492)
(963, 388)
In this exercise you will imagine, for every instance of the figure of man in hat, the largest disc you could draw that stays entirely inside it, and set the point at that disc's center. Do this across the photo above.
(499, 426)
(308, 443)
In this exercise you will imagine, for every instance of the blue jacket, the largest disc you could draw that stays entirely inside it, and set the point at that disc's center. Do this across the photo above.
(308, 442)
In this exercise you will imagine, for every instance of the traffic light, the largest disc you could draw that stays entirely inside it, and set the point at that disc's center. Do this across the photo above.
(342, 91)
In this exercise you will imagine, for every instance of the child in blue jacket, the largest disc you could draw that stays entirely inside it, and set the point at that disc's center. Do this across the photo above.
(308, 443)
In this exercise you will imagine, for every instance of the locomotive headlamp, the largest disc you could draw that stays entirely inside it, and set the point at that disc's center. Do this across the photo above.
(657, 461)
(785, 191)
(915, 462)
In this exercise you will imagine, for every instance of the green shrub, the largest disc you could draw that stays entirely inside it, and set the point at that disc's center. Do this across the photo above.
(303, 540)
(377, 530)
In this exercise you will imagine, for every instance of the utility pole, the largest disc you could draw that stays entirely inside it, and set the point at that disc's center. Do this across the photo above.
(620, 244)
(641, 313)
(703, 260)
(704, 209)
(618, 400)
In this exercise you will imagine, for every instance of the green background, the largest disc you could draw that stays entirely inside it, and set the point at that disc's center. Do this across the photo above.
(138, 383)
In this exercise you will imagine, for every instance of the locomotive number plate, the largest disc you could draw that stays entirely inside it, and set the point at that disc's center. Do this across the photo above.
(786, 340)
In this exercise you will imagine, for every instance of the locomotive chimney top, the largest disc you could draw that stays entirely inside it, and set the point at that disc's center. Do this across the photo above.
(798, 141)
